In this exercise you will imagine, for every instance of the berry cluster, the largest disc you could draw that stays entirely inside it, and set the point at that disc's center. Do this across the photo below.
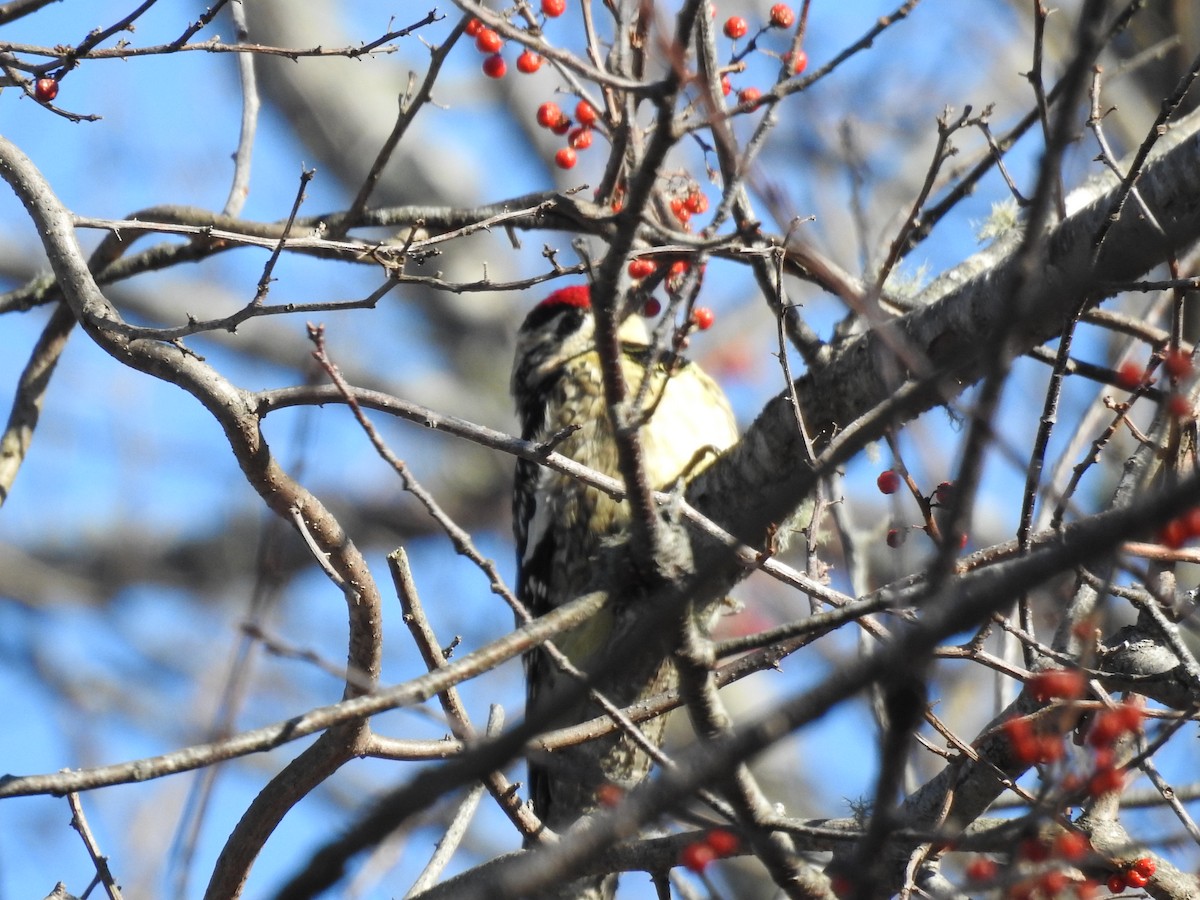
(1047, 881)
(1178, 365)
(701, 318)
(1108, 726)
(1056, 684)
(686, 200)
(1042, 745)
(489, 43)
(1135, 875)
(781, 17)
(1030, 747)
(1180, 530)
(717, 844)
(551, 116)
(1040, 740)
(1069, 848)
(889, 482)
(1180, 369)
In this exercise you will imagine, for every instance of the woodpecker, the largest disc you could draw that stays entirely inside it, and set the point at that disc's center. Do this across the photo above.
(562, 527)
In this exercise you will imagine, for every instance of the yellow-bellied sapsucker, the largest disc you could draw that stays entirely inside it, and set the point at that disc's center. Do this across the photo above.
(562, 527)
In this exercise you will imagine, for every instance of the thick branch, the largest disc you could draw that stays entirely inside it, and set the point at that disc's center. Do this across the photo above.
(760, 481)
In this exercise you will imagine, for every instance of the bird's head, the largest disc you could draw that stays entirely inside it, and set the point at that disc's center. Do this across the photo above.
(557, 330)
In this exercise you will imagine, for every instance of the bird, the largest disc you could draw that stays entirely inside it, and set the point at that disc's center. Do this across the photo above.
(563, 528)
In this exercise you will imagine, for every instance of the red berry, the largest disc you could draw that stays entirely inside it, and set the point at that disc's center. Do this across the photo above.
(1116, 883)
(609, 795)
(726, 86)
(1071, 845)
(580, 138)
(1111, 724)
(562, 126)
(1052, 883)
(1049, 749)
(488, 41)
(528, 62)
(1136, 879)
(696, 203)
(749, 95)
(473, 27)
(1022, 740)
(652, 308)
(1174, 534)
(943, 493)
(1178, 364)
(736, 27)
(548, 115)
(1106, 781)
(1130, 376)
(696, 857)
(641, 267)
(1066, 684)
(565, 158)
(723, 841)
(1072, 783)
(703, 317)
(797, 61)
(494, 66)
(1191, 521)
(896, 537)
(980, 868)
(585, 113)
(45, 89)
(782, 16)
(1180, 407)
(1144, 866)
(1130, 715)
(1033, 849)
(554, 8)
(888, 481)
(1107, 727)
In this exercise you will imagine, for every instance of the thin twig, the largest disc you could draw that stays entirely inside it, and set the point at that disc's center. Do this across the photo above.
(239, 188)
(99, 860)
